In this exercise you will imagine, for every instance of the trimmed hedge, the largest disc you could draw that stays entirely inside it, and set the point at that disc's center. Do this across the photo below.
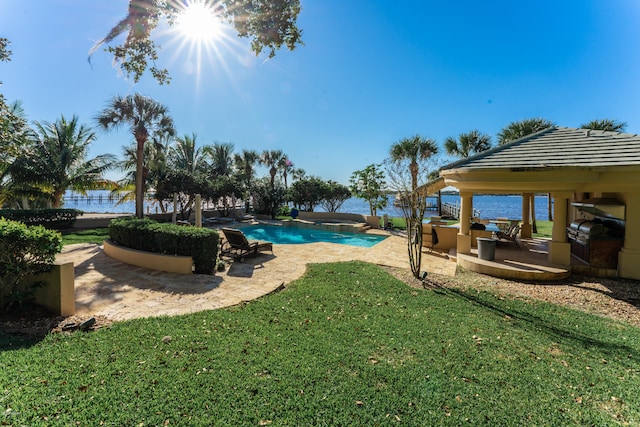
(24, 251)
(50, 218)
(148, 235)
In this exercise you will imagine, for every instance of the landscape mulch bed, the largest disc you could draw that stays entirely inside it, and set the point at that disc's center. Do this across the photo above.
(36, 321)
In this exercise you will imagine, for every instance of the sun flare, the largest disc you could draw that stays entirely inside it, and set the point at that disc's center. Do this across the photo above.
(199, 22)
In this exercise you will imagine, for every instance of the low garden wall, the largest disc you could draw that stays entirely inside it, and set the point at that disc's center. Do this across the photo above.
(57, 293)
(169, 263)
(372, 221)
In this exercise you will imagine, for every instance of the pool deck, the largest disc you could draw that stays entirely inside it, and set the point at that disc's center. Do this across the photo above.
(118, 291)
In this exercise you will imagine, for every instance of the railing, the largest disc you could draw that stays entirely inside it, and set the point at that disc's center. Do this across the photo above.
(453, 210)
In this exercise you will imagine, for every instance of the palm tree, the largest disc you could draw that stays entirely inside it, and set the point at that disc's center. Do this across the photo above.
(286, 167)
(520, 129)
(298, 173)
(245, 165)
(272, 159)
(185, 156)
(221, 155)
(145, 117)
(414, 149)
(468, 144)
(57, 161)
(605, 124)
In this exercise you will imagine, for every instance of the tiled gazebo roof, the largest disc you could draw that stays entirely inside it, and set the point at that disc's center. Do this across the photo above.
(558, 148)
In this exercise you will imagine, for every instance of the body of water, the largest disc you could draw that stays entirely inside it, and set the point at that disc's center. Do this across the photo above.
(490, 206)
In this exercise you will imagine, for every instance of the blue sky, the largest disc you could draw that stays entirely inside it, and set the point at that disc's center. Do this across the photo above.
(370, 73)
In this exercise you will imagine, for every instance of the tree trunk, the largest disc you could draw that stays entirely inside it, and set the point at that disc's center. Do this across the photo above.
(57, 199)
(139, 179)
(549, 208)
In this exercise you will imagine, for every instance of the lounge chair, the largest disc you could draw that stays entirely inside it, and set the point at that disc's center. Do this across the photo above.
(511, 234)
(237, 246)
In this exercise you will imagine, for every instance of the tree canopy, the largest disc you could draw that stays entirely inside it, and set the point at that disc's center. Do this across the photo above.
(145, 117)
(522, 128)
(368, 184)
(269, 24)
(605, 124)
(467, 144)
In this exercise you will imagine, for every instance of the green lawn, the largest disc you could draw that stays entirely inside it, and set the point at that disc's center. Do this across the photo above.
(94, 235)
(345, 345)
(544, 229)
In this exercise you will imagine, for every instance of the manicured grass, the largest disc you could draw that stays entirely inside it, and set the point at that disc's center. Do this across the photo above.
(544, 229)
(94, 235)
(346, 345)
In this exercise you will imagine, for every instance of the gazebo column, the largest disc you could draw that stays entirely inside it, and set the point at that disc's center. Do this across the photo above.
(525, 231)
(629, 256)
(463, 244)
(559, 248)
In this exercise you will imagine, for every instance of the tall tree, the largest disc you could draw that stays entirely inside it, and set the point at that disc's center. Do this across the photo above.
(156, 169)
(272, 160)
(245, 164)
(605, 124)
(308, 192)
(221, 155)
(268, 24)
(522, 128)
(184, 155)
(286, 168)
(414, 151)
(298, 173)
(57, 161)
(467, 144)
(335, 196)
(144, 117)
(369, 184)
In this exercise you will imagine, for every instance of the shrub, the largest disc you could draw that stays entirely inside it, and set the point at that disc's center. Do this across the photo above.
(51, 218)
(24, 251)
(147, 235)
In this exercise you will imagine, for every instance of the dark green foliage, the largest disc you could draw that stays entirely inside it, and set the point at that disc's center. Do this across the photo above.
(522, 128)
(151, 236)
(186, 185)
(268, 200)
(56, 219)
(24, 251)
(306, 193)
(336, 194)
(610, 125)
(368, 184)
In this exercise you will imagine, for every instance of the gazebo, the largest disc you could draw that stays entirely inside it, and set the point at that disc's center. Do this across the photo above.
(579, 168)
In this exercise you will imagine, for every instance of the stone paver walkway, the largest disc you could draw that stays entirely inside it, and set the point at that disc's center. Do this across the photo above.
(118, 291)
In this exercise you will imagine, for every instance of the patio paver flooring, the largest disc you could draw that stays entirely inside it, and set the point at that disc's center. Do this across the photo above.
(119, 291)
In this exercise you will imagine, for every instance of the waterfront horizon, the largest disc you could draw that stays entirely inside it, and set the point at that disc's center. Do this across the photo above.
(489, 206)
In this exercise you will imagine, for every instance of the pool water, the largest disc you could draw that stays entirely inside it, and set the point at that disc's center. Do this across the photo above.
(294, 235)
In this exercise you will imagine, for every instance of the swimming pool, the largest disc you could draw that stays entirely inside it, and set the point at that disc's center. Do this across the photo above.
(294, 235)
